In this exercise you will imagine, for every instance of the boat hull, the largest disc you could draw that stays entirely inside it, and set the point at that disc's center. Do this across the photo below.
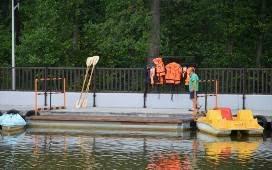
(204, 127)
(253, 132)
(12, 128)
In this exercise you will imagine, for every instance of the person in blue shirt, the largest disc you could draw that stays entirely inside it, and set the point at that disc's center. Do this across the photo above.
(193, 88)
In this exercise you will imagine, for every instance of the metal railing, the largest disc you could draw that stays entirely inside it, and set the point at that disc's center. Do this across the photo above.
(231, 80)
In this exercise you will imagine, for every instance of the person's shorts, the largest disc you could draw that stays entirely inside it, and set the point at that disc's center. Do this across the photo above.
(192, 94)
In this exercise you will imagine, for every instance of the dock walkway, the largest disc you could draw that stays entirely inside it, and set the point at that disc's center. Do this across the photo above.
(115, 115)
(111, 118)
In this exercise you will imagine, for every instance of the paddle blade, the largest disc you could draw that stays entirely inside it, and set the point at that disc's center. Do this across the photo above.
(89, 61)
(95, 60)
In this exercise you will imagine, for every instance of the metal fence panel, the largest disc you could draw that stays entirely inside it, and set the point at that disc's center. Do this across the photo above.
(231, 80)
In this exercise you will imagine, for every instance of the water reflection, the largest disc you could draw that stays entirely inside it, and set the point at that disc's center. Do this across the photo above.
(170, 160)
(187, 151)
(12, 138)
(226, 148)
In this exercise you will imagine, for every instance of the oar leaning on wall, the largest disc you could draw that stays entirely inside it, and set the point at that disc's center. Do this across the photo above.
(83, 98)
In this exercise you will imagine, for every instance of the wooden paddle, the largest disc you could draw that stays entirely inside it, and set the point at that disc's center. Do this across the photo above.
(90, 62)
(85, 97)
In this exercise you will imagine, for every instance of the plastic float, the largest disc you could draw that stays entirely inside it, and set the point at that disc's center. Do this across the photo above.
(220, 122)
(12, 121)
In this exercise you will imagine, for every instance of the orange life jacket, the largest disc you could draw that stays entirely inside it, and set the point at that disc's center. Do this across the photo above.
(184, 73)
(173, 73)
(188, 71)
(160, 70)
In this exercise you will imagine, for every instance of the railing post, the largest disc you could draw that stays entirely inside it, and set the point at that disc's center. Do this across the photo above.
(206, 97)
(145, 95)
(146, 85)
(244, 87)
(13, 78)
(36, 95)
(94, 88)
(50, 92)
(216, 93)
(64, 92)
(45, 85)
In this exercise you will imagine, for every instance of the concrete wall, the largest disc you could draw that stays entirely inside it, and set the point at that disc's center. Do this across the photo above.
(135, 100)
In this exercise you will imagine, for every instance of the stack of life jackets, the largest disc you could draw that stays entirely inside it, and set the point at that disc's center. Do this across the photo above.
(159, 71)
(172, 73)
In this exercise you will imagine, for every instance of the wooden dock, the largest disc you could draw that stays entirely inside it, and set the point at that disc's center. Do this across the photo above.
(113, 119)
(123, 119)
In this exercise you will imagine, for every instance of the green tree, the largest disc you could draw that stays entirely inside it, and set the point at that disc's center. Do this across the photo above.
(219, 33)
(5, 34)
(121, 37)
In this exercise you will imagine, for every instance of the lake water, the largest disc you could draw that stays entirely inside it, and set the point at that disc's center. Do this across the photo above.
(186, 150)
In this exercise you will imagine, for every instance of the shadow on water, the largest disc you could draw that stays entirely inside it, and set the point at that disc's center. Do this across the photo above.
(236, 135)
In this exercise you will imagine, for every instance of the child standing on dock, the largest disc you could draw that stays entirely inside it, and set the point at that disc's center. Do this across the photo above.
(193, 88)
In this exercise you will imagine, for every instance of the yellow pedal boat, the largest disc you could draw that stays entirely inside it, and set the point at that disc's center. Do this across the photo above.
(221, 123)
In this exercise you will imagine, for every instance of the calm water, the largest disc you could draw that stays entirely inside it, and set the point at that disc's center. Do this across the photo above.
(187, 150)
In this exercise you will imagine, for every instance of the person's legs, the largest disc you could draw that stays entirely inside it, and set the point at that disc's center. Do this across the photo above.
(193, 99)
(194, 102)
(194, 105)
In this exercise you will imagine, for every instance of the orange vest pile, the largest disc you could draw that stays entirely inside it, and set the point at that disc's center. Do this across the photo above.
(172, 73)
(159, 70)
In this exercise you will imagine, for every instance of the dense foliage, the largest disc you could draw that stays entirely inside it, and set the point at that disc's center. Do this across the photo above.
(219, 33)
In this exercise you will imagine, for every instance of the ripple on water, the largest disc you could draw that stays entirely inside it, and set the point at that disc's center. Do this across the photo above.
(29, 151)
